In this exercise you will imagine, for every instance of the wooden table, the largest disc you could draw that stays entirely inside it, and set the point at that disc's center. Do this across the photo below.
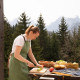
(57, 77)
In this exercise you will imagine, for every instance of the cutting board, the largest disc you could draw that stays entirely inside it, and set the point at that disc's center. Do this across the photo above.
(34, 70)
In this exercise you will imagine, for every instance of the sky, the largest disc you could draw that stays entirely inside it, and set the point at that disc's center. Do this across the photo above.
(50, 9)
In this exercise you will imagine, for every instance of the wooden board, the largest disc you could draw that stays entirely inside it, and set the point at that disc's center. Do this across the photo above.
(34, 70)
(59, 73)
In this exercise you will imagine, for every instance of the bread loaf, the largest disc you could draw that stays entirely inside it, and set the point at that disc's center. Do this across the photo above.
(47, 63)
(72, 65)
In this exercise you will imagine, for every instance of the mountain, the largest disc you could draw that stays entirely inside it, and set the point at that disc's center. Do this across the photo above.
(71, 23)
(54, 26)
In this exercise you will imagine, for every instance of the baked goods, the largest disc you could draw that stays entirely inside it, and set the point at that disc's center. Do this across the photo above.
(72, 65)
(61, 62)
(75, 65)
(47, 63)
(58, 67)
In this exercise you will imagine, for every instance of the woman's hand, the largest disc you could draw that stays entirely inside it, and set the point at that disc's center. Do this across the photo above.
(38, 65)
(31, 64)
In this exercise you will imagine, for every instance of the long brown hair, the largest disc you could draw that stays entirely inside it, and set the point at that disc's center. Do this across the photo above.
(32, 28)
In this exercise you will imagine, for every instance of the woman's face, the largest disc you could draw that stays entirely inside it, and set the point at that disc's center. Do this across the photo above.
(32, 35)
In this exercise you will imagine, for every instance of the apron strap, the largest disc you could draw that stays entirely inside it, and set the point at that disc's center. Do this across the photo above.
(23, 37)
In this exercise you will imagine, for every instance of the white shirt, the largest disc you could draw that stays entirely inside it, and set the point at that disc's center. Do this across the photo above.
(19, 41)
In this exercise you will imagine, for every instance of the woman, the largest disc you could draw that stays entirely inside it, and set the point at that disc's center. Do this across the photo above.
(18, 63)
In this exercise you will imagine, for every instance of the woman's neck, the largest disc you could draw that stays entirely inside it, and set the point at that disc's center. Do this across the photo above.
(27, 37)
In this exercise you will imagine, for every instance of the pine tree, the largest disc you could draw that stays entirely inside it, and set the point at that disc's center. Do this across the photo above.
(23, 22)
(43, 37)
(63, 38)
(22, 25)
(63, 31)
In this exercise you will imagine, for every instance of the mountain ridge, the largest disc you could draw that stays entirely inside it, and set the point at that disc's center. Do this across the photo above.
(54, 26)
(71, 23)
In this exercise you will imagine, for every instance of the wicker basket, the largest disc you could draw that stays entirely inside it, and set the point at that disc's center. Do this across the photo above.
(47, 63)
(72, 65)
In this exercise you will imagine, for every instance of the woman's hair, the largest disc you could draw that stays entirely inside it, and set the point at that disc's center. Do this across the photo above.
(32, 28)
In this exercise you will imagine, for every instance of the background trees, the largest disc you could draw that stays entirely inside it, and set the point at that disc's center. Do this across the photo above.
(22, 25)
(63, 38)
(55, 47)
(63, 33)
(8, 31)
(43, 37)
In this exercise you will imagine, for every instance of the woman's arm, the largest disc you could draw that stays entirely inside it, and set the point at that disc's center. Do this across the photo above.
(31, 56)
(19, 57)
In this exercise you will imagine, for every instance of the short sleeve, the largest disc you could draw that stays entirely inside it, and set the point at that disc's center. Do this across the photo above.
(19, 41)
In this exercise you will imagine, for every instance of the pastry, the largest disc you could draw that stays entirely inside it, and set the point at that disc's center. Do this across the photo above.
(58, 67)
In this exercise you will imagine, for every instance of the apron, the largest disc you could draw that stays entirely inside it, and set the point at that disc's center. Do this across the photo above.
(19, 70)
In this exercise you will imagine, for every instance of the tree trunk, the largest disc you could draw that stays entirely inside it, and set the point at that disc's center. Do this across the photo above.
(1, 41)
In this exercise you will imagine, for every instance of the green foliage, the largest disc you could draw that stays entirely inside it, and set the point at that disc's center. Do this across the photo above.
(63, 39)
(75, 45)
(43, 37)
(63, 33)
(8, 31)
(54, 47)
(36, 50)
